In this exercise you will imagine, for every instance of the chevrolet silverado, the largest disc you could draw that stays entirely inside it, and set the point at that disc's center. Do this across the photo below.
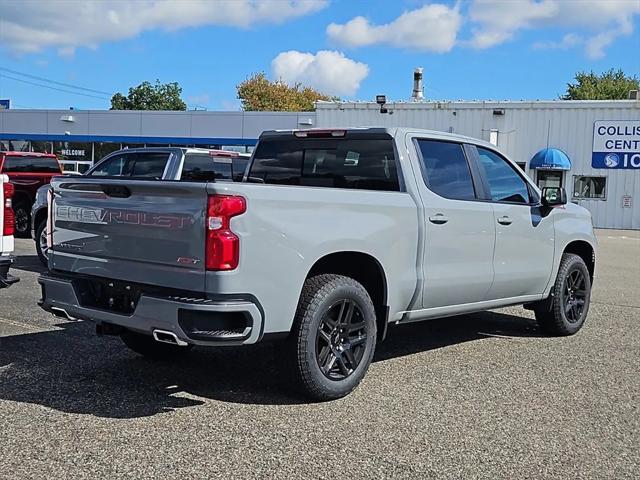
(332, 236)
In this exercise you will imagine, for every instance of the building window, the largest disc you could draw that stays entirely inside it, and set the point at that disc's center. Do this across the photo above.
(236, 148)
(547, 178)
(589, 187)
(41, 147)
(102, 149)
(78, 151)
(72, 155)
(14, 145)
(493, 137)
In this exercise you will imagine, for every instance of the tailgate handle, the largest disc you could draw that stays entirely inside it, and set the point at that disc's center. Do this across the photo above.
(118, 191)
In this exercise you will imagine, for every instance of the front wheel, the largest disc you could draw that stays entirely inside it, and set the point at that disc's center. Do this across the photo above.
(333, 337)
(565, 311)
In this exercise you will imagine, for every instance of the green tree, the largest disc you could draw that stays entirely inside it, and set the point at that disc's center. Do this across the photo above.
(146, 96)
(258, 93)
(611, 85)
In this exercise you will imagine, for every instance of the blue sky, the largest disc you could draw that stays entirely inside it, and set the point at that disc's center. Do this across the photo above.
(473, 49)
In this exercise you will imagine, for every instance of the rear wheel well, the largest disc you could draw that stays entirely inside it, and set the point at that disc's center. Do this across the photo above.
(41, 215)
(20, 198)
(584, 251)
(366, 270)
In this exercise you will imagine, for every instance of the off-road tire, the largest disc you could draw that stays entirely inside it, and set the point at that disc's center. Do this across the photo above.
(40, 228)
(551, 314)
(22, 214)
(320, 294)
(147, 346)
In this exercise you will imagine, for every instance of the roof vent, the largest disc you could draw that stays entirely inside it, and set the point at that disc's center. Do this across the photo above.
(418, 89)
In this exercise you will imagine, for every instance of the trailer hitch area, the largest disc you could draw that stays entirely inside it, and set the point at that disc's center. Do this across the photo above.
(104, 328)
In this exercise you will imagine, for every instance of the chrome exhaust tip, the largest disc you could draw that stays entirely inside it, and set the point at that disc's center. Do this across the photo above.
(166, 336)
(61, 312)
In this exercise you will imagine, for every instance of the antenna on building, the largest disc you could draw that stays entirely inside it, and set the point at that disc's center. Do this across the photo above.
(418, 88)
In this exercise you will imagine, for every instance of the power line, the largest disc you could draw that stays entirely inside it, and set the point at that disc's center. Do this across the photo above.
(43, 79)
(51, 88)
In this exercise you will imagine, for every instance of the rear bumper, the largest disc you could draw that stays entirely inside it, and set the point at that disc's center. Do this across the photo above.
(6, 279)
(167, 313)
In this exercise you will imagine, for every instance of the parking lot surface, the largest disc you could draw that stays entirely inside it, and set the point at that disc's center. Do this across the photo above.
(479, 396)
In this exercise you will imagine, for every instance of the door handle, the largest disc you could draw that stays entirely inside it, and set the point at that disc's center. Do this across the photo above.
(438, 219)
(505, 220)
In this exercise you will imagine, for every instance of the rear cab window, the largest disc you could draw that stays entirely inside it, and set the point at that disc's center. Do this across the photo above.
(30, 164)
(355, 160)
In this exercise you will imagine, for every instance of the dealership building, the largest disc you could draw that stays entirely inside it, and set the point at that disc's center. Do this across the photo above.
(592, 148)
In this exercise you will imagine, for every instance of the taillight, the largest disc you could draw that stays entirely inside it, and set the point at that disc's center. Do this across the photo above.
(223, 246)
(8, 225)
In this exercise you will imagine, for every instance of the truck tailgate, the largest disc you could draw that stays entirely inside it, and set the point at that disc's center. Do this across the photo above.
(141, 231)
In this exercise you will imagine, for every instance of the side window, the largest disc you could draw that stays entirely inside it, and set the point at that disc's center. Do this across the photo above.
(149, 164)
(202, 167)
(446, 170)
(115, 166)
(143, 164)
(239, 168)
(505, 183)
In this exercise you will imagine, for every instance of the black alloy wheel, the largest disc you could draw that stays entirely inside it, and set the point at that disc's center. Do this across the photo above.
(333, 337)
(341, 339)
(565, 310)
(574, 295)
(21, 220)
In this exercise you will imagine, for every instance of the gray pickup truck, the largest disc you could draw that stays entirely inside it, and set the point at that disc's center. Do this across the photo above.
(332, 236)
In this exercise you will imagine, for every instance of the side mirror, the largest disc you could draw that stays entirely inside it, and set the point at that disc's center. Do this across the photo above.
(554, 196)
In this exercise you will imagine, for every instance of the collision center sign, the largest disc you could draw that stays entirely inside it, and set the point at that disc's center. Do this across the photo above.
(616, 144)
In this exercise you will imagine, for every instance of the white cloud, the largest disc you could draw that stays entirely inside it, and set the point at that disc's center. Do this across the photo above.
(497, 21)
(595, 46)
(433, 27)
(328, 71)
(568, 41)
(33, 25)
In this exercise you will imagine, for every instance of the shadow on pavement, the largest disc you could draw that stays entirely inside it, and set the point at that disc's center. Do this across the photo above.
(71, 370)
(28, 263)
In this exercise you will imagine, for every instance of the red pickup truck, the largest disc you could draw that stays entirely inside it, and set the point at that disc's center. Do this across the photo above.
(28, 171)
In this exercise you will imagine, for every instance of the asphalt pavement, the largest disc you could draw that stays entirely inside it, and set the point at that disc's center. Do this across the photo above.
(479, 396)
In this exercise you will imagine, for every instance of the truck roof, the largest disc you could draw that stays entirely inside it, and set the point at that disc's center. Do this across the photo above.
(393, 131)
(211, 151)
